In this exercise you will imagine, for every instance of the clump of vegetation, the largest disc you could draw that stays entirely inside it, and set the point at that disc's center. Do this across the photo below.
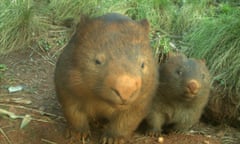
(217, 39)
(24, 22)
(19, 24)
(3, 68)
(61, 10)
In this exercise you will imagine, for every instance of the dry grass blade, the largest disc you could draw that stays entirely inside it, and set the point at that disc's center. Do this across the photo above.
(9, 114)
(33, 110)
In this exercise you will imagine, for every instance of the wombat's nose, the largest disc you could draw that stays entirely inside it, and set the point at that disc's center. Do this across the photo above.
(193, 86)
(125, 86)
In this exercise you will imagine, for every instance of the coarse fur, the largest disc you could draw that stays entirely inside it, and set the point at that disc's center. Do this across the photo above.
(184, 85)
(107, 71)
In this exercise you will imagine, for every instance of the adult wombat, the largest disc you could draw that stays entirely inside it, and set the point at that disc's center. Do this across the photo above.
(107, 71)
(183, 92)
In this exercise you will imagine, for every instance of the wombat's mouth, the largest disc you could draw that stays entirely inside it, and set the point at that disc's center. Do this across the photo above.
(188, 96)
(122, 106)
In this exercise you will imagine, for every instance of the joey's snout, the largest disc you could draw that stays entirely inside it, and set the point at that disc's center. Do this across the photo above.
(193, 87)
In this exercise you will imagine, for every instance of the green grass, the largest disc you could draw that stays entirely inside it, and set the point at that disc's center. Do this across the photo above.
(3, 68)
(64, 9)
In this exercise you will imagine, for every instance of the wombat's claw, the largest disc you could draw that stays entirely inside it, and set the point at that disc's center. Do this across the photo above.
(84, 137)
(79, 137)
(153, 133)
(110, 140)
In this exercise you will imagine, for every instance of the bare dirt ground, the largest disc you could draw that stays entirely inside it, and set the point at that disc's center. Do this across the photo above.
(34, 71)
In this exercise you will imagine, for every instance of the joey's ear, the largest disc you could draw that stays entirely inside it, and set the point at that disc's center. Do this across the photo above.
(172, 54)
(202, 61)
(145, 24)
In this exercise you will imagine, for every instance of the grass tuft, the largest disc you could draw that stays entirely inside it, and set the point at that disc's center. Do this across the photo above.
(20, 24)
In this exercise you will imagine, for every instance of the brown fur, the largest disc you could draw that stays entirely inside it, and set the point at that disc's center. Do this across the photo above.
(183, 92)
(107, 71)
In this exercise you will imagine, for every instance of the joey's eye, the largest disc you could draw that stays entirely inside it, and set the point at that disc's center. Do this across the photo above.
(179, 72)
(100, 59)
(203, 76)
(98, 62)
(142, 65)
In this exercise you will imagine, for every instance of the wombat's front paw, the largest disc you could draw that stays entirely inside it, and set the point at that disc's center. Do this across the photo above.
(111, 140)
(153, 133)
(77, 137)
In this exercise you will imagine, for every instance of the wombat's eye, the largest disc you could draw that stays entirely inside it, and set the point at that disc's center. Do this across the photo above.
(100, 59)
(98, 62)
(179, 72)
(142, 65)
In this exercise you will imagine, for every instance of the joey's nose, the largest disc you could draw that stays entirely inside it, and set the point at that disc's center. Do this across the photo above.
(126, 86)
(193, 86)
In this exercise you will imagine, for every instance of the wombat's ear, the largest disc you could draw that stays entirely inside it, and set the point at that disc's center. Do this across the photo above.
(84, 19)
(145, 24)
(171, 54)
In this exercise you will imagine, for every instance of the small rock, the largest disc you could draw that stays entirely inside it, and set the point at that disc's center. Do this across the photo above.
(160, 140)
(17, 88)
(206, 142)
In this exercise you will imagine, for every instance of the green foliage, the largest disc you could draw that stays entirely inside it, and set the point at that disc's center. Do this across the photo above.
(136, 9)
(187, 16)
(106, 6)
(3, 68)
(63, 9)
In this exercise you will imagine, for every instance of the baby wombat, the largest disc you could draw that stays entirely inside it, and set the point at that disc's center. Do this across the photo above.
(107, 71)
(183, 92)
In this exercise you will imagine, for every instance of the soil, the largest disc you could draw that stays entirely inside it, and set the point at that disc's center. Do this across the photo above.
(34, 71)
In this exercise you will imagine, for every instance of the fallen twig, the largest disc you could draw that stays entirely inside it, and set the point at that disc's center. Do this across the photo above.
(47, 141)
(15, 100)
(5, 136)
